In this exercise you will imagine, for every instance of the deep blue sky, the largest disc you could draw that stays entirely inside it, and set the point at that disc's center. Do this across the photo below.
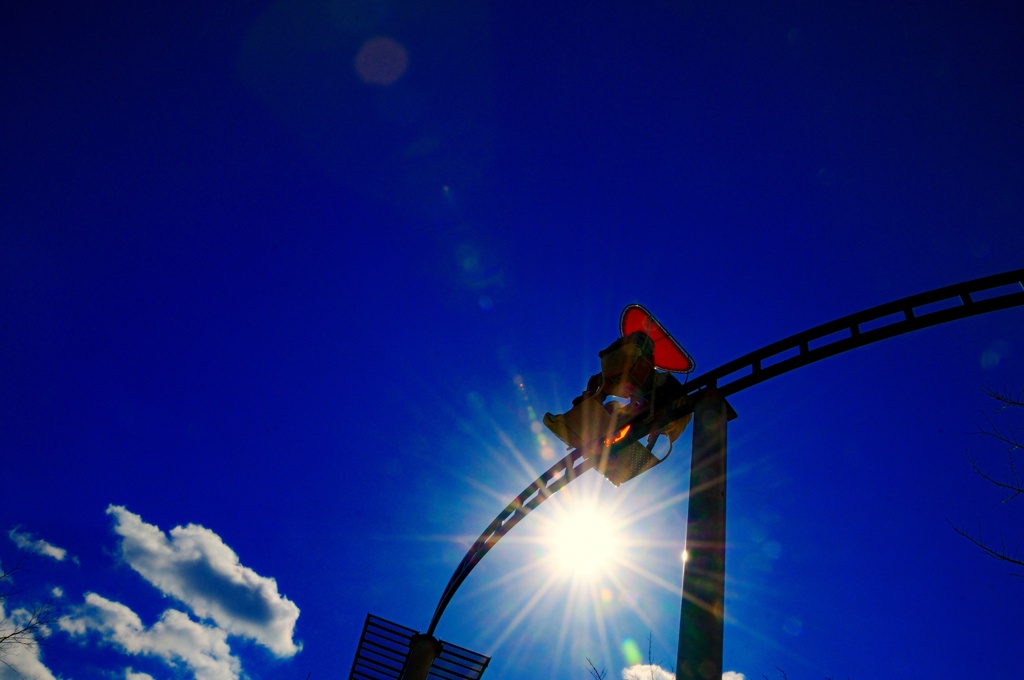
(309, 319)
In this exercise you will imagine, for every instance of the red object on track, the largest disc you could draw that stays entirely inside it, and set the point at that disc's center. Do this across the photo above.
(669, 355)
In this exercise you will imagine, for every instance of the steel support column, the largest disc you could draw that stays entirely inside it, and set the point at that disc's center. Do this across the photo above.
(423, 649)
(702, 613)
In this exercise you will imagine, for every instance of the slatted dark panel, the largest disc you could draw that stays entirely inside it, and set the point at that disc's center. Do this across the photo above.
(458, 663)
(382, 649)
(384, 646)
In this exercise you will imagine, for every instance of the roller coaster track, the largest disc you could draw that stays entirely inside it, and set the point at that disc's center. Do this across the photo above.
(959, 301)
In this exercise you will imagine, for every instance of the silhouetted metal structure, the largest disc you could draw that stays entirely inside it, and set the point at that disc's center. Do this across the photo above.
(959, 301)
(702, 614)
(849, 332)
(383, 654)
(702, 610)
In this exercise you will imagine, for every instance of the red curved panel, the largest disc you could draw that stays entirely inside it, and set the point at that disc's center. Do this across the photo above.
(669, 355)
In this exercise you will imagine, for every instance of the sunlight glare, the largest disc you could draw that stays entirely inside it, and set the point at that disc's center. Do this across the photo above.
(584, 541)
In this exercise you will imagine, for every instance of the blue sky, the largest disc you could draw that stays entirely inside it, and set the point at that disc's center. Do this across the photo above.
(285, 288)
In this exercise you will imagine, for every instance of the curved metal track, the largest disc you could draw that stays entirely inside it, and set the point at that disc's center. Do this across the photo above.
(950, 303)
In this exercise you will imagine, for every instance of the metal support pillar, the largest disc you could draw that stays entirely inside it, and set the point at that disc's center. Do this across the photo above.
(423, 649)
(702, 613)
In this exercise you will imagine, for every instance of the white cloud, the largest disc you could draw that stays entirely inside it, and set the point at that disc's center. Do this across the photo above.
(645, 672)
(20, 661)
(130, 674)
(27, 541)
(655, 672)
(198, 568)
(175, 638)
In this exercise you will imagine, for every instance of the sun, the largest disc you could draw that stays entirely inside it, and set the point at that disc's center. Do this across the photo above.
(584, 540)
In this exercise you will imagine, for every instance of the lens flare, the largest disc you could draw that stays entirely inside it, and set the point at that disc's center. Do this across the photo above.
(381, 61)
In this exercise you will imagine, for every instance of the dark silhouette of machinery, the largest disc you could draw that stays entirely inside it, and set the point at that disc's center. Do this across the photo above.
(606, 434)
(636, 378)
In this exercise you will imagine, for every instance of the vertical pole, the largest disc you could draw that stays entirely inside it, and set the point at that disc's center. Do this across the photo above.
(423, 649)
(701, 616)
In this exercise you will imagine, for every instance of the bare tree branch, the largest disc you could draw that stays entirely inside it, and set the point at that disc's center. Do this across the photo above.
(1009, 437)
(650, 643)
(1002, 553)
(23, 627)
(594, 673)
(1005, 399)
(1011, 483)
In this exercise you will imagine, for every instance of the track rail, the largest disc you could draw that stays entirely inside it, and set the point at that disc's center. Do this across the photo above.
(557, 476)
(950, 303)
(959, 301)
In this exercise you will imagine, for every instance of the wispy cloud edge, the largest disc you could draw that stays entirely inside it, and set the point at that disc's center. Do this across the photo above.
(29, 543)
